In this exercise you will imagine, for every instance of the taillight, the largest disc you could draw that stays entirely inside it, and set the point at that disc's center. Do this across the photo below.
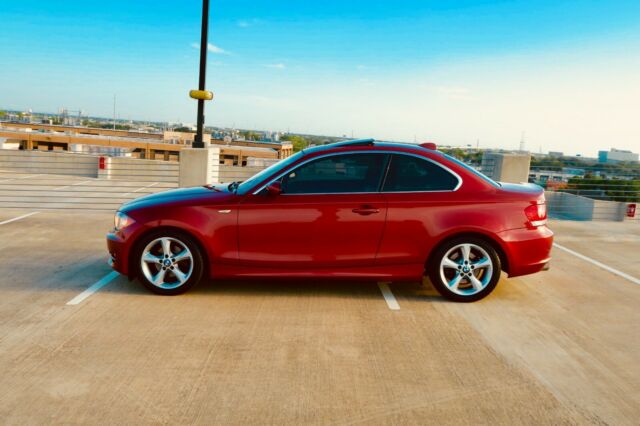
(536, 213)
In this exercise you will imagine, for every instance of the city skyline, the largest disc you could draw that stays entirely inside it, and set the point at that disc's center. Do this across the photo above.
(452, 72)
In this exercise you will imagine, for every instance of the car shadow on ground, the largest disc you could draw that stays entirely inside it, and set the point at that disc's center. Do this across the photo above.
(413, 292)
(291, 287)
(74, 279)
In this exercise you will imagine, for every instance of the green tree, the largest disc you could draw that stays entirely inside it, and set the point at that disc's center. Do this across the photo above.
(615, 189)
(183, 129)
(299, 143)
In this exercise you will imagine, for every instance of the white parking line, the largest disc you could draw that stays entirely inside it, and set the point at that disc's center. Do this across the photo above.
(599, 264)
(392, 303)
(140, 189)
(18, 218)
(73, 184)
(95, 287)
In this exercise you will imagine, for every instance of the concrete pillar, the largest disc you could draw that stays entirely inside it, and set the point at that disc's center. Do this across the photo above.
(506, 166)
(199, 166)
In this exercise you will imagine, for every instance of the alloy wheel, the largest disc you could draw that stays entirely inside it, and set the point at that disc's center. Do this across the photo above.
(466, 269)
(167, 263)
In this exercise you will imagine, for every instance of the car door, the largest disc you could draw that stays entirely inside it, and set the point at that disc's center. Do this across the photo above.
(419, 202)
(330, 214)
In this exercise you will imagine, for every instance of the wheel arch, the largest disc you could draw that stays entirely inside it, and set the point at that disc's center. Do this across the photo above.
(502, 255)
(136, 247)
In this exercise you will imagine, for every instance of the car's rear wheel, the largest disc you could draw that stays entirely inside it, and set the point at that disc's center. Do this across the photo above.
(465, 269)
(169, 262)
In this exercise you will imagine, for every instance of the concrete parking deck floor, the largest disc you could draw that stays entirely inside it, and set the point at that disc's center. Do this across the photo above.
(557, 347)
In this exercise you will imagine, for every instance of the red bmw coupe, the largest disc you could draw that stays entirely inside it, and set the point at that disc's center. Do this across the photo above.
(357, 210)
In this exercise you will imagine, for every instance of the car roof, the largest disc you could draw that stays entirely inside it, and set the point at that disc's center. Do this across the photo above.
(357, 143)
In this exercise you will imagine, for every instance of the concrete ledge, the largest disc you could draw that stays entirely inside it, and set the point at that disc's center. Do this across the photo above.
(236, 173)
(140, 170)
(60, 163)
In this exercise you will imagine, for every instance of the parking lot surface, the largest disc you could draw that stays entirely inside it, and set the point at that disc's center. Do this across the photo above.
(559, 347)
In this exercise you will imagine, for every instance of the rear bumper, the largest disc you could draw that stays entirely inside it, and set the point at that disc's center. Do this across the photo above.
(528, 250)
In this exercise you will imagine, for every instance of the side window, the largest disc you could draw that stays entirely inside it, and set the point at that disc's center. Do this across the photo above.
(407, 173)
(336, 174)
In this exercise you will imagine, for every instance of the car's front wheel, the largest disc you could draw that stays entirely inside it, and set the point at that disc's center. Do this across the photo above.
(465, 269)
(169, 262)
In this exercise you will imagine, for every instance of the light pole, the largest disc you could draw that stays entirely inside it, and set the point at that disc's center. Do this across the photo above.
(202, 94)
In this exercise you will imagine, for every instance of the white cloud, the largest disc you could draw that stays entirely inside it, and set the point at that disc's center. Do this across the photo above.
(245, 23)
(211, 48)
(279, 66)
(215, 49)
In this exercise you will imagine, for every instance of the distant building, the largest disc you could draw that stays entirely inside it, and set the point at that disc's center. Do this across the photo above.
(616, 156)
(543, 176)
(186, 138)
(270, 136)
(556, 154)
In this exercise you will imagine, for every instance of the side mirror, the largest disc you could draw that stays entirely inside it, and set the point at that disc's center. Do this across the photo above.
(274, 188)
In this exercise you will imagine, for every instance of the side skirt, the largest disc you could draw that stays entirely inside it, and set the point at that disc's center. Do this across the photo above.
(409, 272)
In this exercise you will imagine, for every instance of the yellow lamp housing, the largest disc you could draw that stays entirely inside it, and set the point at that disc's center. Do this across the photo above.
(202, 95)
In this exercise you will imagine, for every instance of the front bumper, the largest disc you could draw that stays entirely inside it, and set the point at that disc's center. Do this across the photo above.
(528, 250)
(118, 253)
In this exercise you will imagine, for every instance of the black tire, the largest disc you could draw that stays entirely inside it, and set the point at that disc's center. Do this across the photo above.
(465, 290)
(178, 241)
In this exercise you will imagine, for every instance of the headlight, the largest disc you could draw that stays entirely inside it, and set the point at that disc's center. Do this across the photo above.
(121, 221)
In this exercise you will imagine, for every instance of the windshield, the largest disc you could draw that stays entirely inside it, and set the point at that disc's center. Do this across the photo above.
(245, 186)
(472, 170)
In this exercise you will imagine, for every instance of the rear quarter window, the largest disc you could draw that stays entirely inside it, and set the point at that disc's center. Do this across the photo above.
(413, 174)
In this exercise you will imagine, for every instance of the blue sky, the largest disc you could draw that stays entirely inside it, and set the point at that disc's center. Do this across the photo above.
(567, 73)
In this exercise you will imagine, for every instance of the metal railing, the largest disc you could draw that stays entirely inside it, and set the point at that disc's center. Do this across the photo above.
(589, 191)
(581, 189)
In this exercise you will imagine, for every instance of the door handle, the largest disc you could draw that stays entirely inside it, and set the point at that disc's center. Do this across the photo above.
(366, 210)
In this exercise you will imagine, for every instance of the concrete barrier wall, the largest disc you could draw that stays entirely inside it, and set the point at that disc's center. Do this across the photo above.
(576, 207)
(117, 168)
(60, 163)
(237, 173)
(140, 170)
(609, 210)
(569, 206)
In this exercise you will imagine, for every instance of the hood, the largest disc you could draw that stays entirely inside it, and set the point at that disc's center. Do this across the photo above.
(193, 195)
